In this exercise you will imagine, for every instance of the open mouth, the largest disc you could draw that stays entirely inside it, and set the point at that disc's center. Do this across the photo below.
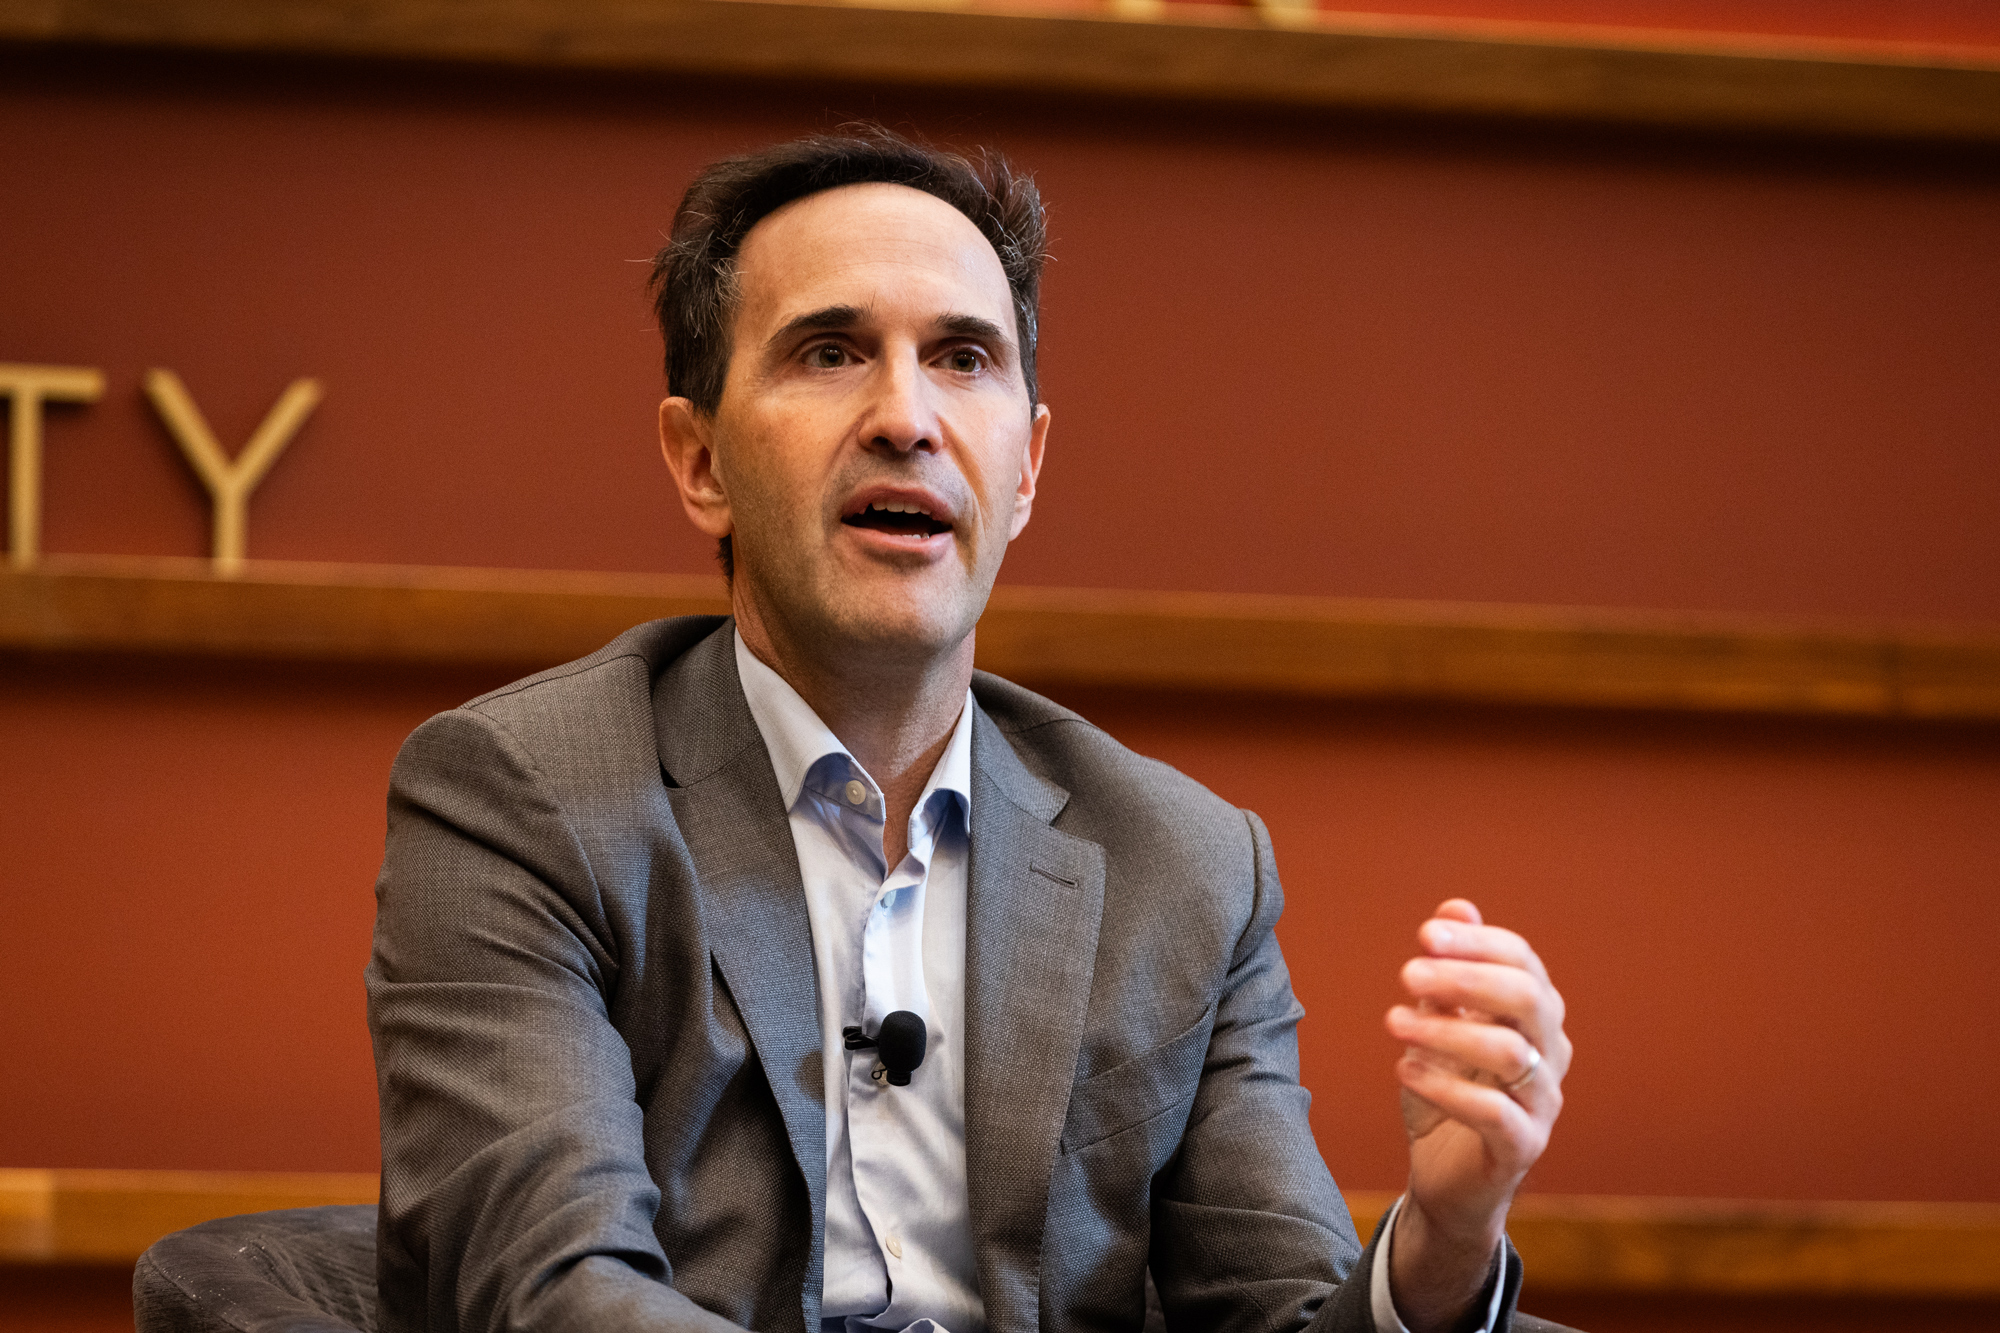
(898, 517)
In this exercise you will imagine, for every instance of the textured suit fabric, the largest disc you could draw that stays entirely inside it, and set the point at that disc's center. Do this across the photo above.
(593, 1005)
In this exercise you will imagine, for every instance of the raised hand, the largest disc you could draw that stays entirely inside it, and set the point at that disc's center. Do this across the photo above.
(1482, 1080)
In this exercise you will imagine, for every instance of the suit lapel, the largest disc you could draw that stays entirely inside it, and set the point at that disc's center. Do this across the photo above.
(1035, 898)
(753, 905)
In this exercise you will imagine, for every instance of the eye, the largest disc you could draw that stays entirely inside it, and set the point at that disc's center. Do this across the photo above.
(966, 360)
(827, 356)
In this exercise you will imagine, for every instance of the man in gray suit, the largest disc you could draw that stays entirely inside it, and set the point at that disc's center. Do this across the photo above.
(780, 971)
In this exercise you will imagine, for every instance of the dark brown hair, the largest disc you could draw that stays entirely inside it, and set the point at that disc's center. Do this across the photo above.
(694, 277)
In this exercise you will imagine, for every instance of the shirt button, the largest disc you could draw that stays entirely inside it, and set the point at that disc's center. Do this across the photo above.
(856, 793)
(895, 1246)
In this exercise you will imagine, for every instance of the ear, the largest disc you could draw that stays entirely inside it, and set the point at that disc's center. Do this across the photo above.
(1031, 468)
(687, 443)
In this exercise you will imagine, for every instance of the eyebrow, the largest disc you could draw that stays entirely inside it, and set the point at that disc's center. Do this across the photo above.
(837, 318)
(827, 319)
(974, 326)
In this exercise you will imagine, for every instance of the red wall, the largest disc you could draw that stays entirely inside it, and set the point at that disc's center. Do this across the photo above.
(1285, 352)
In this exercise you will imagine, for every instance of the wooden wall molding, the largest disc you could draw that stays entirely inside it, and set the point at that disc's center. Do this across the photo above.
(1724, 1247)
(1569, 1242)
(336, 613)
(1279, 55)
(1299, 647)
(107, 1217)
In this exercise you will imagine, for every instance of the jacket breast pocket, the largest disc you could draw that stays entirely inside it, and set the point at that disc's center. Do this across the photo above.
(1148, 1085)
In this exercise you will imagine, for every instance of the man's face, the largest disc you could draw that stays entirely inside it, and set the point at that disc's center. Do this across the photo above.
(875, 449)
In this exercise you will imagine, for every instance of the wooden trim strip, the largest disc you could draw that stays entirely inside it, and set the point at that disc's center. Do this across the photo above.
(1481, 653)
(112, 1216)
(1197, 52)
(1754, 1248)
(336, 613)
(1569, 1242)
(1297, 647)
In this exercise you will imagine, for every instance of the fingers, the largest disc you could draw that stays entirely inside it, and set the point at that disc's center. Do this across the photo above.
(1507, 994)
(1458, 909)
(1483, 999)
(1501, 1055)
(1514, 1135)
(1450, 938)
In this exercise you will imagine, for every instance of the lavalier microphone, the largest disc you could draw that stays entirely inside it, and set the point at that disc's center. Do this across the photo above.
(899, 1044)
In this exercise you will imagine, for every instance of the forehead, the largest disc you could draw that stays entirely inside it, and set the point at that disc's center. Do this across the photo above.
(869, 246)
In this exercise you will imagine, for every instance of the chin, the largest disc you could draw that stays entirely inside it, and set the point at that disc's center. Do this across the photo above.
(905, 620)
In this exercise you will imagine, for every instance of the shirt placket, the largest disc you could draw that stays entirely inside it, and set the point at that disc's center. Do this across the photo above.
(892, 979)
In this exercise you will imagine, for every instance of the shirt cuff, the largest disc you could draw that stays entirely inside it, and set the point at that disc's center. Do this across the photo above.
(1383, 1306)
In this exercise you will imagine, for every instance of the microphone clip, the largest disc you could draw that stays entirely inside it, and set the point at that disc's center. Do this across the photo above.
(899, 1044)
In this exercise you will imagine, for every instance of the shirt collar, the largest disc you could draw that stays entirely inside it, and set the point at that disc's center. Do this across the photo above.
(797, 739)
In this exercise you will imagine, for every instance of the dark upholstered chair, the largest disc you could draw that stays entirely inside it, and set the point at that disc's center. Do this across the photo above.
(303, 1270)
(300, 1270)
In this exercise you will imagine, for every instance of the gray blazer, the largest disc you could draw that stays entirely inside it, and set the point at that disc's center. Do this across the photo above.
(597, 1040)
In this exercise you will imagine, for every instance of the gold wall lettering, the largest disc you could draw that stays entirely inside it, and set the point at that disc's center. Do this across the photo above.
(27, 388)
(229, 482)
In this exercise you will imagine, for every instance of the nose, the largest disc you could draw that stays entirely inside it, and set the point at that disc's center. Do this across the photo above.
(903, 409)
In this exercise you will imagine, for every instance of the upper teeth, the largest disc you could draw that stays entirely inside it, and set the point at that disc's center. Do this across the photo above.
(896, 507)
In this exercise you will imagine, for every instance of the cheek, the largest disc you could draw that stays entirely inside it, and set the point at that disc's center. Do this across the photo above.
(994, 473)
(767, 475)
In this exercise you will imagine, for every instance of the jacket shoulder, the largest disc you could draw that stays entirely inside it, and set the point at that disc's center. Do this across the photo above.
(639, 655)
(1108, 785)
(590, 716)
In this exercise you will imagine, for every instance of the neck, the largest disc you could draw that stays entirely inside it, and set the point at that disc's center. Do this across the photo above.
(894, 711)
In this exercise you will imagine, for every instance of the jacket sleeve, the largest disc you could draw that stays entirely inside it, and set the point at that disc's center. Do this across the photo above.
(515, 1193)
(1249, 1231)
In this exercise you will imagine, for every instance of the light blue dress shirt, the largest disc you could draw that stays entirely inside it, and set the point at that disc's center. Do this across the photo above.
(898, 1228)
